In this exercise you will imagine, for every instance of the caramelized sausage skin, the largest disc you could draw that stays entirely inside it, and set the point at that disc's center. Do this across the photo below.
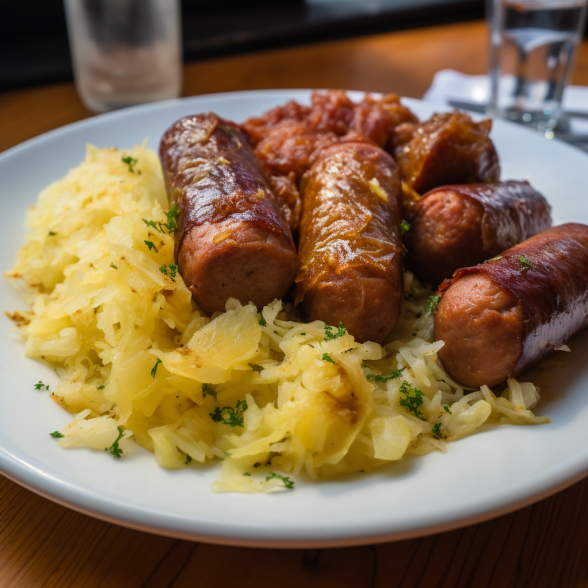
(449, 148)
(349, 246)
(500, 318)
(464, 224)
(232, 240)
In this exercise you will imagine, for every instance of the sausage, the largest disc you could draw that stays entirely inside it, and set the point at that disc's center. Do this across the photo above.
(500, 318)
(232, 240)
(462, 225)
(349, 248)
(449, 148)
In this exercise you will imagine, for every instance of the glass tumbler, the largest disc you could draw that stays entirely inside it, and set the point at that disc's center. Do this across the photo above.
(125, 52)
(532, 50)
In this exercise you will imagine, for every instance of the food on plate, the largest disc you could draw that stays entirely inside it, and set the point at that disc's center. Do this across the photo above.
(289, 139)
(449, 148)
(500, 318)
(462, 225)
(270, 396)
(349, 248)
(232, 239)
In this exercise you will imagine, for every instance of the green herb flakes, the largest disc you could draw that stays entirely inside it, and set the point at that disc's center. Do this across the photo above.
(330, 334)
(385, 377)
(412, 403)
(208, 390)
(527, 265)
(154, 370)
(433, 304)
(287, 482)
(56, 435)
(131, 162)
(230, 416)
(327, 357)
(114, 449)
(405, 226)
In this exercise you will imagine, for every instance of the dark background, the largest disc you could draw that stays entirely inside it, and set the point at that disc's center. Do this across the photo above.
(34, 46)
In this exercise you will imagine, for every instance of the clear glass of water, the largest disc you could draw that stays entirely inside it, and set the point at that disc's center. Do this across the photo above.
(532, 50)
(125, 52)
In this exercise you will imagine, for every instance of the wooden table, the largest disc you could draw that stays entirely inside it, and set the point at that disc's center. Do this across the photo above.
(44, 544)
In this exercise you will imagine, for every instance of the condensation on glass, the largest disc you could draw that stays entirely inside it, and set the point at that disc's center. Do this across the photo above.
(125, 52)
(532, 50)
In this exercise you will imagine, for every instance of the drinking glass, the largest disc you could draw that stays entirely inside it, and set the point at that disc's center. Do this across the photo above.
(124, 52)
(532, 50)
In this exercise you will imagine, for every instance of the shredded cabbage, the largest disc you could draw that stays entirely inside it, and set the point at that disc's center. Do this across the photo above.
(262, 391)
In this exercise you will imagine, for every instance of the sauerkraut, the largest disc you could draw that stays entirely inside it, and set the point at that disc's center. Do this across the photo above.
(272, 397)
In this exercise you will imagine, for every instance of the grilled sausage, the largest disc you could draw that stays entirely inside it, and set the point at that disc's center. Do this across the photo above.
(232, 240)
(500, 318)
(462, 225)
(349, 246)
(449, 148)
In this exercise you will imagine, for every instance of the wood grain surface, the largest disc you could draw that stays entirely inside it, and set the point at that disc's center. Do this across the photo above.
(43, 544)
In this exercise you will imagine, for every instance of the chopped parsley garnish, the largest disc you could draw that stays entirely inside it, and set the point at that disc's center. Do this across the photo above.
(150, 224)
(433, 304)
(385, 377)
(230, 416)
(151, 246)
(412, 403)
(327, 357)
(527, 265)
(172, 218)
(131, 162)
(40, 385)
(330, 335)
(303, 334)
(52, 234)
(447, 409)
(262, 321)
(437, 430)
(287, 482)
(114, 449)
(56, 435)
(154, 370)
(208, 390)
(405, 226)
(100, 388)
(364, 365)
(113, 266)
(246, 474)
(173, 270)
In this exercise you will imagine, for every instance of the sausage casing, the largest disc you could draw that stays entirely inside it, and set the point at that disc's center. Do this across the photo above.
(232, 240)
(537, 298)
(349, 245)
(449, 148)
(464, 224)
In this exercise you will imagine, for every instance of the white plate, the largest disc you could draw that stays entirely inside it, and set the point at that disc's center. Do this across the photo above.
(487, 474)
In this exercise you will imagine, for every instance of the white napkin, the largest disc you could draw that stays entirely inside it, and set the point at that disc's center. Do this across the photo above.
(449, 84)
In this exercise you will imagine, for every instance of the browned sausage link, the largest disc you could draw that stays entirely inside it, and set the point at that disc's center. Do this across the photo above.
(449, 148)
(349, 248)
(232, 240)
(465, 224)
(500, 318)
